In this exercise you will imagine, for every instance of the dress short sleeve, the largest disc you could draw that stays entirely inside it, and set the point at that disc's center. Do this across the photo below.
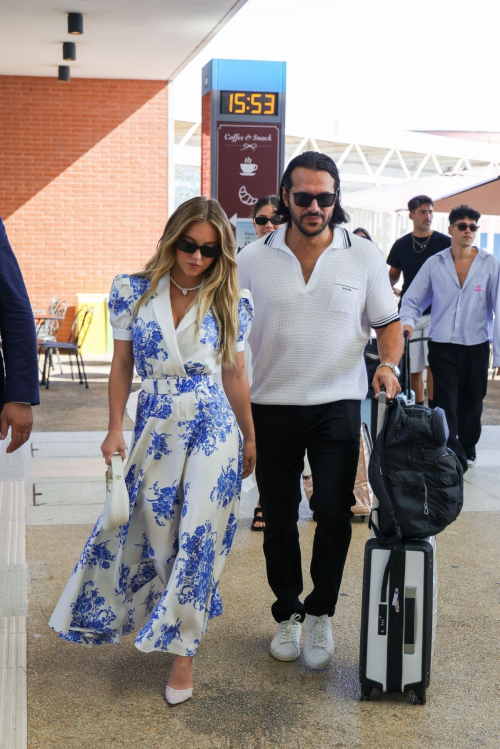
(245, 314)
(125, 291)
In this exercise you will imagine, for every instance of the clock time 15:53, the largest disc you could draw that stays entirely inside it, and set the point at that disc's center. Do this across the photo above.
(248, 102)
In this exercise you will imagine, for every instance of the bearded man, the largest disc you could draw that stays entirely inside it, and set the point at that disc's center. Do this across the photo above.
(317, 289)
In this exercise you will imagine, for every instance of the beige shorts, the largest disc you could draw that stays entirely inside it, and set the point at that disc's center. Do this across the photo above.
(419, 349)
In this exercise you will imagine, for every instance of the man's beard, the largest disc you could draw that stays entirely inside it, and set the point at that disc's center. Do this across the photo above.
(312, 232)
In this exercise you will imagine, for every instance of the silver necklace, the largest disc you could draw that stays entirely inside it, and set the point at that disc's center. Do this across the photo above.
(184, 291)
(421, 245)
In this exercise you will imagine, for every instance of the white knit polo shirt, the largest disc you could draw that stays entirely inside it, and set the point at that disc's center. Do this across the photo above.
(307, 341)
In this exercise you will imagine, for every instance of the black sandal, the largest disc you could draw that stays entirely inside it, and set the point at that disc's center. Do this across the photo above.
(256, 519)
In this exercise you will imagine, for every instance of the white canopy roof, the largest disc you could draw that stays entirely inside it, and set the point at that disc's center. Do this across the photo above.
(446, 190)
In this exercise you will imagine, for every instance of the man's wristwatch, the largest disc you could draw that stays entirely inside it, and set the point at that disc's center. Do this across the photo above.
(393, 367)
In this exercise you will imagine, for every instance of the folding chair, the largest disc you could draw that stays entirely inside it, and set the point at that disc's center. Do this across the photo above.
(47, 330)
(79, 330)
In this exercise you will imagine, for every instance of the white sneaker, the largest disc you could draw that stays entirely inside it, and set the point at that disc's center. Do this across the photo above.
(319, 641)
(285, 645)
(471, 462)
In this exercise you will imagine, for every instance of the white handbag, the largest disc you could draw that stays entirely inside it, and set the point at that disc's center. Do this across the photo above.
(117, 505)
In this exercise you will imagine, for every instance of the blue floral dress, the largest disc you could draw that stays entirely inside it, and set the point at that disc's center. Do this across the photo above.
(158, 575)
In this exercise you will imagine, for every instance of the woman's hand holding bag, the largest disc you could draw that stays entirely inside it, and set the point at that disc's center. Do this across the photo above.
(117, 505)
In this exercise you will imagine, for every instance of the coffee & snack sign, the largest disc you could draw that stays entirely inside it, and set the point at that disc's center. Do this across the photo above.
(248, 165)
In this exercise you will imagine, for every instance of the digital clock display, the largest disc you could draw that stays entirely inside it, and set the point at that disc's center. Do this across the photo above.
(248, 102)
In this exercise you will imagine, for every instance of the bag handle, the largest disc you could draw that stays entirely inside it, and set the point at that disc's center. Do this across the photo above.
(114, 470)
(409, 626)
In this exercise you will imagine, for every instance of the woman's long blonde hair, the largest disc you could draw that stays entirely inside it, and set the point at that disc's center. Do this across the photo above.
(220, 289)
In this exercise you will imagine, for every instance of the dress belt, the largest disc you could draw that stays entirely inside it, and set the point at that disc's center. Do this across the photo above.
(174, 384)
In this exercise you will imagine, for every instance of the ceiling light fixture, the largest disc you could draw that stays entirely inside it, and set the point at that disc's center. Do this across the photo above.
(75, 23)
(64, 74)
(69, 51)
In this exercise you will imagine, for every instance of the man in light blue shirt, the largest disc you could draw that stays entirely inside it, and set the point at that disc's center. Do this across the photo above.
(462, 283)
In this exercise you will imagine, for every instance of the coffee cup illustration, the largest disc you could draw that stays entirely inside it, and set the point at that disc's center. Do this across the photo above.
(248, 169)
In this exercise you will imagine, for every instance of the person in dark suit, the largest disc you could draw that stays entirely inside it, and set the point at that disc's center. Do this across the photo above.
(18, 353)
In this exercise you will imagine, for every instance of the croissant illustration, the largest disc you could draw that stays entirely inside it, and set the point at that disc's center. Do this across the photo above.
(245, 196)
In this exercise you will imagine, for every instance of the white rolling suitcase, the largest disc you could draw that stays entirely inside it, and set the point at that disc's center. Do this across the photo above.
(399, 611)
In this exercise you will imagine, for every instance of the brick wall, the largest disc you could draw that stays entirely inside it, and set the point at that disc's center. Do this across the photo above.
(83, 186)
(206, 121)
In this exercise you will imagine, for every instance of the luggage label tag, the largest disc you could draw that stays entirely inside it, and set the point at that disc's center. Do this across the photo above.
(395, 600)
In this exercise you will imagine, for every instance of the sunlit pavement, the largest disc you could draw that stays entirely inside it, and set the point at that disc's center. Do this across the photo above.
(113, 696)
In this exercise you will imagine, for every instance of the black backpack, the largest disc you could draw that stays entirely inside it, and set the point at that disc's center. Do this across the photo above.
(417, 480)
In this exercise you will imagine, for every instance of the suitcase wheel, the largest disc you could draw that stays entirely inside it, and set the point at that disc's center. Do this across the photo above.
(365, 695)
(419, 698)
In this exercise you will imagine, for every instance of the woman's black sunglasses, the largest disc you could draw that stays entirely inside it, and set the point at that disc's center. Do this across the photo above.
(304, 199)
(262, 220)
(184, 246)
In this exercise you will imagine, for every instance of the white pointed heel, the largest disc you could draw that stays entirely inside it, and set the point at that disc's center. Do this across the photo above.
(176, 696)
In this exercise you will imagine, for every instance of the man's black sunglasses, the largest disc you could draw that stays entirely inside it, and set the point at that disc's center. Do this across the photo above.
(324, 199)
(462, 226)
(262, 220)
(184, 246)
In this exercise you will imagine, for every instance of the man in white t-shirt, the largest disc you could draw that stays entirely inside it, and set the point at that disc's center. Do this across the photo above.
(317, 289)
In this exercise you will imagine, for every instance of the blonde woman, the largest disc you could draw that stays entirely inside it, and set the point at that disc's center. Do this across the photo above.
(179, 321)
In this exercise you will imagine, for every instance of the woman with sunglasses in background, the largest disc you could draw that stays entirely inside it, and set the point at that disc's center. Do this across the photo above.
(178, 321)
(264, 217)
(265, 222)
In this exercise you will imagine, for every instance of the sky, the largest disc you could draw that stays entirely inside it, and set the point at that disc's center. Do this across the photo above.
(391, 64)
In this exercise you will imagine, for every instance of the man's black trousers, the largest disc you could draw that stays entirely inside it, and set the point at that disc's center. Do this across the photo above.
(460, 379)
(330, 434)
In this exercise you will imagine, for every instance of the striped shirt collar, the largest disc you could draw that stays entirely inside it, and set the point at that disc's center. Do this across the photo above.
(340, 240)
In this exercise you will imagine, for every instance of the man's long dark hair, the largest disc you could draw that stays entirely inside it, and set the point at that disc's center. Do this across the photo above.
(317, 162)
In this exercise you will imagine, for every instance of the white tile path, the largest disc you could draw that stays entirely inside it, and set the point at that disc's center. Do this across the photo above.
(13, 602)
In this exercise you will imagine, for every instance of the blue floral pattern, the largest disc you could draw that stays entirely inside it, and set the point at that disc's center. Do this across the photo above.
(158, 574)
(100, 556)
(165, 501)
(145, 572)
(151, 600)
(129, 625)
(168, 633)
(194, 568)
(209, 330)
(213, 423)
(193, 651)
(90, 611)
(227, 541)
(216, 602)
(121, 588)
(245, 314)
(147, 551)
(147, 338)
(158, 446)
(84, 558)
(227, 485)
(185, 490)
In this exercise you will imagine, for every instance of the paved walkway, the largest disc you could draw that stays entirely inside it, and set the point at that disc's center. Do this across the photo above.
(112, 696)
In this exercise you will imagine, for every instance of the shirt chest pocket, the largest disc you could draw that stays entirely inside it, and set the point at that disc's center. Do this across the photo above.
(344, 296)
(479, 286)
